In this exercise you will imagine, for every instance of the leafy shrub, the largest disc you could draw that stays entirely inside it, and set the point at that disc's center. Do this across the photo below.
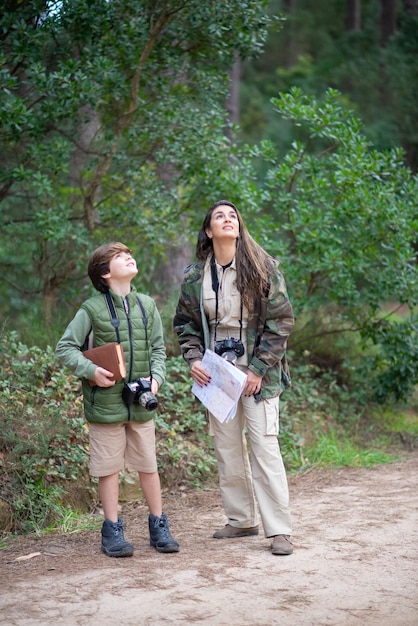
(44, 437)
(184, 447)
(347, 234)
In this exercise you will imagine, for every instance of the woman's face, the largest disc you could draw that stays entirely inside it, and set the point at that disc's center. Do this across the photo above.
(224, 224)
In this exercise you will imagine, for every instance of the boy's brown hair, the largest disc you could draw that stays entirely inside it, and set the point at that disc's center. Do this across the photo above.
(99, 263)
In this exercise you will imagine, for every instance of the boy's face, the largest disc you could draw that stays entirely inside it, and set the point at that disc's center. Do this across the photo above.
(122, 267)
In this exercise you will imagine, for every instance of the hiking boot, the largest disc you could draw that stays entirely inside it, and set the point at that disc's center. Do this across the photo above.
(159, 535)
(281, 545)
(113, 541)
(231, 532)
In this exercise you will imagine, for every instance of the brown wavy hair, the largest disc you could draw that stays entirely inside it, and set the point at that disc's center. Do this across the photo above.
(254, 265)
(99, 263)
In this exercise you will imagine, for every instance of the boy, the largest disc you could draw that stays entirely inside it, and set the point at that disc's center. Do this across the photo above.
(122, 434)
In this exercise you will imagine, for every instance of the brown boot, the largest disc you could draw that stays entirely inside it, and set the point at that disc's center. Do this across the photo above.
(232, 532)
(281, 545)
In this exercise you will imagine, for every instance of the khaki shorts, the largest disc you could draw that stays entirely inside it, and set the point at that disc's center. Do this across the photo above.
(128, 445)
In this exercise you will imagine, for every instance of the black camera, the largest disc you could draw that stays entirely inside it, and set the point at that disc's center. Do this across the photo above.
(139, 392)
(229, 349)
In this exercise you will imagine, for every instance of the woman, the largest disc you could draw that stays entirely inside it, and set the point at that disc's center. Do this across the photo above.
(235, 292)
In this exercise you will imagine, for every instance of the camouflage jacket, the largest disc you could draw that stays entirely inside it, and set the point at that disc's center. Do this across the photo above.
(269, 327)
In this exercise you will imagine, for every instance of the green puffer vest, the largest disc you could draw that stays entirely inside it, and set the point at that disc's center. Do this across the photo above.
(105, 405)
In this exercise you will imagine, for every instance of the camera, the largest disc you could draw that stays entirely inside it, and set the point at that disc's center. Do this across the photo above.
(139, 392)
(229, 349)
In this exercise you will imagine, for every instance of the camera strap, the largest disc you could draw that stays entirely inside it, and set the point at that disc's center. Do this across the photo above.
(215, 287)
(115, 321)
(145, 322)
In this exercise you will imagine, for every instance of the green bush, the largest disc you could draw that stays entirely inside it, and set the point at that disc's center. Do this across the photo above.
(184, 447)
(43, 440)
(44, 475)
(44, 437)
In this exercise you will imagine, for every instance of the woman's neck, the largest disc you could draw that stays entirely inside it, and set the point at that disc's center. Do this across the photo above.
(224, 253)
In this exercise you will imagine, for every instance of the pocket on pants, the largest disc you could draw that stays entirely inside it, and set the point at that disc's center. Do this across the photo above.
(271, 409)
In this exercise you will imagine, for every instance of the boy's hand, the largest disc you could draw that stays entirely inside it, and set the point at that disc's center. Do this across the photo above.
(154, 385)
(103, 378)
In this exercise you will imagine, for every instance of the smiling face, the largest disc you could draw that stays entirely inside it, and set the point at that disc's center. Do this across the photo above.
(122, 267)
(224, 224)
(111, 261)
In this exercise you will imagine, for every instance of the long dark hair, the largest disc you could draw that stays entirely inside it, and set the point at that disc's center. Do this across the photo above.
(254, 265)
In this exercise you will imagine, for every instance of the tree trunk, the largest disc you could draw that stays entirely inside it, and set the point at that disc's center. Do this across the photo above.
(233, 100)
(89, 127)
(289, 34)
(388, 16)
(353, 16)
(170, 274)
(411, 6)
(290, 5)
(123, 122)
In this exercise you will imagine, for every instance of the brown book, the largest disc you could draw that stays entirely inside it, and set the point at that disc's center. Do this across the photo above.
(110, 356)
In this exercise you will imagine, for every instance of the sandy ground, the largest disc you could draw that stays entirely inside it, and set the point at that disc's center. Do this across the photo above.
(355, 563)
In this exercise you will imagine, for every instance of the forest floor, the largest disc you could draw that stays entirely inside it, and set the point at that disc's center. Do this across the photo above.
(355, 563)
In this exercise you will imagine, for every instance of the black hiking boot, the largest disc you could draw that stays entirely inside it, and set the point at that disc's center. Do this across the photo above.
(160, 536)
(113, 541)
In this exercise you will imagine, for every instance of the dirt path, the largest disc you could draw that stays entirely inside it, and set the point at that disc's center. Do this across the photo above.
(355, 563)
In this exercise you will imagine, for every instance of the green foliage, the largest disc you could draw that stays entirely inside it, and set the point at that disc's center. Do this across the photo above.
(113, 126)
(118, 118)
(119, 132)
(42, 454)
(325, 423)
(184, 449)
(333, 451)
(315, 50)
(73, 521)
(44, 438)
(347, 224)
(396, 363)
(399, 426)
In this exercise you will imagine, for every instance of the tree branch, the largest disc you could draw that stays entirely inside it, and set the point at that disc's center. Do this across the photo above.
(122, 123)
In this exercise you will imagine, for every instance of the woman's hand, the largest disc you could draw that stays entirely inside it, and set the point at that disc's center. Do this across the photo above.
(199, 375)
(253, 384)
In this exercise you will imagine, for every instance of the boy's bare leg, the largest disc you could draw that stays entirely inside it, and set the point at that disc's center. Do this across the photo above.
(151, 488)
(113, 539)
(109, 496)
(160, 536)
